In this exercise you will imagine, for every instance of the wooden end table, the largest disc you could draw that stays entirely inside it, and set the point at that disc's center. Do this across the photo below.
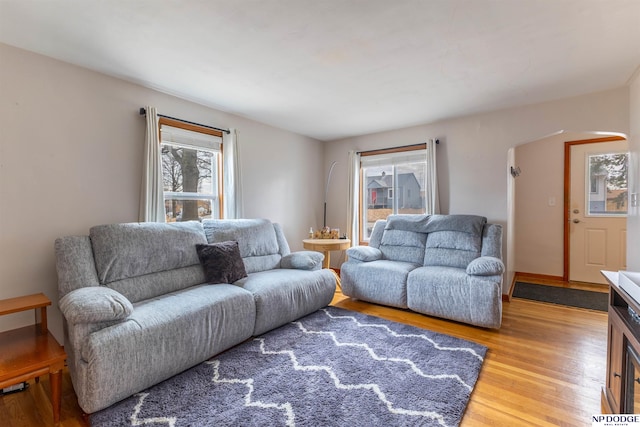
(31, 351)
(326, 246)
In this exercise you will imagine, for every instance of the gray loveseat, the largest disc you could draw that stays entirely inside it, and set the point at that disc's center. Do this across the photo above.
(448, 266)
(138, 308)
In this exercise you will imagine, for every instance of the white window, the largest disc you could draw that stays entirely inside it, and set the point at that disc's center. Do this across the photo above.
(191, 171)
(607, 174)
(393, 182)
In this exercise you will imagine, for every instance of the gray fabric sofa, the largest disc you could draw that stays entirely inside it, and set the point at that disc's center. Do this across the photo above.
(448, 266)
(138, 309)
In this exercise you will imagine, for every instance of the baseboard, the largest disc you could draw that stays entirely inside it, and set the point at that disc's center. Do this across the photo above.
(521, 275)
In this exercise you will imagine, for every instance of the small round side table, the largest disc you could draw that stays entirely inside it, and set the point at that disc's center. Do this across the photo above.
(326, 246)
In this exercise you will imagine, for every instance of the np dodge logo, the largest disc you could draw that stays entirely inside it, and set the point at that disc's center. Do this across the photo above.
(616, 420)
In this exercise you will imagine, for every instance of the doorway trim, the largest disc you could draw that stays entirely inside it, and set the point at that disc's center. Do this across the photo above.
(567, 191)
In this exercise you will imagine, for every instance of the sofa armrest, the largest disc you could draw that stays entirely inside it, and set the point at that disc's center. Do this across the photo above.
(302, 260)
(95, 304)
(485, 266)
(364, 253)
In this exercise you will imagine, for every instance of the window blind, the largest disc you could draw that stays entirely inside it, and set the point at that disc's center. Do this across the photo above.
(393, 158)
(189, 139)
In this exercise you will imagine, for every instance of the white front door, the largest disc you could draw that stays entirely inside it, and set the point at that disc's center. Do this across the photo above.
(597, 210)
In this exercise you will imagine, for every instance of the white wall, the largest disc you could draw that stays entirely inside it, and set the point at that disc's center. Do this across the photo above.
(472, 155)
(633, 220)
(71, 143)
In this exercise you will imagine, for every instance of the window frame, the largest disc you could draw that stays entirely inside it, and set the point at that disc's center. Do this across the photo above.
(165, 121)
(363, 191)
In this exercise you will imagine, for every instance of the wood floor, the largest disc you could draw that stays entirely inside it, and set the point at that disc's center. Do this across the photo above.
(545, 367)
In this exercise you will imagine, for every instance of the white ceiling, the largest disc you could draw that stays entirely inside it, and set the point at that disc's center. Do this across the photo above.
(335, 68)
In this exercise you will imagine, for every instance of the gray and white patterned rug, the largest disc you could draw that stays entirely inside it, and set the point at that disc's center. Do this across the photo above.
(332, 368)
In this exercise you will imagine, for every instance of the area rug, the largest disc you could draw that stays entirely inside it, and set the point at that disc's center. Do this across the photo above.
(563, 296)
(332, 368)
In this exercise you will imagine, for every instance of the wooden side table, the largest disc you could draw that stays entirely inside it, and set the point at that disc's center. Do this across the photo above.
(32, 351)
(326, 246)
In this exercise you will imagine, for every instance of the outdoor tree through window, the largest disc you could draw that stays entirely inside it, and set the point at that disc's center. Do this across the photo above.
(191, 171)
(608, 184)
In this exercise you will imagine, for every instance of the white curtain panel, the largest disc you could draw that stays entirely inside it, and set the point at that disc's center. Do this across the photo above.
(431, 180)
(151, 197)
(353, 231)
(233, 206)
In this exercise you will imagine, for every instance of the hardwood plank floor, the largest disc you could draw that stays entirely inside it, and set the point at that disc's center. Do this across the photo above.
(545, 367)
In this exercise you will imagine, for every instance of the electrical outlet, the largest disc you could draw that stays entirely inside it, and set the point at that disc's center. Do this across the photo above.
(634, 200)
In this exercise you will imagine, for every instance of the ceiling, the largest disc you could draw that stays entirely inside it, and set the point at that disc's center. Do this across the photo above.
(330, 69)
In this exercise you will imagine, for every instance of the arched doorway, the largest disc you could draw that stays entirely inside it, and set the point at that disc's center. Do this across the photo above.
(536, 204)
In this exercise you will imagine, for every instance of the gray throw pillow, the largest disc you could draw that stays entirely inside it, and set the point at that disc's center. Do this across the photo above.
(221, 262)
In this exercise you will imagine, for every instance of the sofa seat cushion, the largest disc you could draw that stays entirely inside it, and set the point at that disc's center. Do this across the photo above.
(381, 282)
(169, 333)
(450, 293)
(284, 295)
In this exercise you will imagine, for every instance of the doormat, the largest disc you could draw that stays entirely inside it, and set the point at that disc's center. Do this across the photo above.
(334, 367)
(562, 296)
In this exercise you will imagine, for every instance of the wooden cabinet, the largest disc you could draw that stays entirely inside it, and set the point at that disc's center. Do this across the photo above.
(614, 368)
(621, 394)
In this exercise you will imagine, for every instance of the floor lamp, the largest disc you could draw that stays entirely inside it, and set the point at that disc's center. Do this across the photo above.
(326, 192)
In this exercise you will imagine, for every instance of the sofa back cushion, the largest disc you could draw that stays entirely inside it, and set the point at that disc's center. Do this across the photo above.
(453, 240)
(143, 260)
(257, 240)
(403, 238)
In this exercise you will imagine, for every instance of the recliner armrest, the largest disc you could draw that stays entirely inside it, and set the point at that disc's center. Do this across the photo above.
(485, 266)
(364, 253)
(302, 260)
(95, 304)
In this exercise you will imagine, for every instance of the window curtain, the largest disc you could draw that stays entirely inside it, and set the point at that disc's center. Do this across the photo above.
(432, 200)
(233, 206)
(353, 231)
(151, 196)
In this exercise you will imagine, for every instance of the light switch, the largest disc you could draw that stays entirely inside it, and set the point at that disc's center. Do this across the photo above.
(634, 200)
(552, 201)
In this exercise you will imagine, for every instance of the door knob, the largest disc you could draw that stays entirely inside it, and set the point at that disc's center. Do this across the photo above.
(576, 211)
(575, 221)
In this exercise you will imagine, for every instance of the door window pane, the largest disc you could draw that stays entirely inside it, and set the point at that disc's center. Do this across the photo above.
(608, 184)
